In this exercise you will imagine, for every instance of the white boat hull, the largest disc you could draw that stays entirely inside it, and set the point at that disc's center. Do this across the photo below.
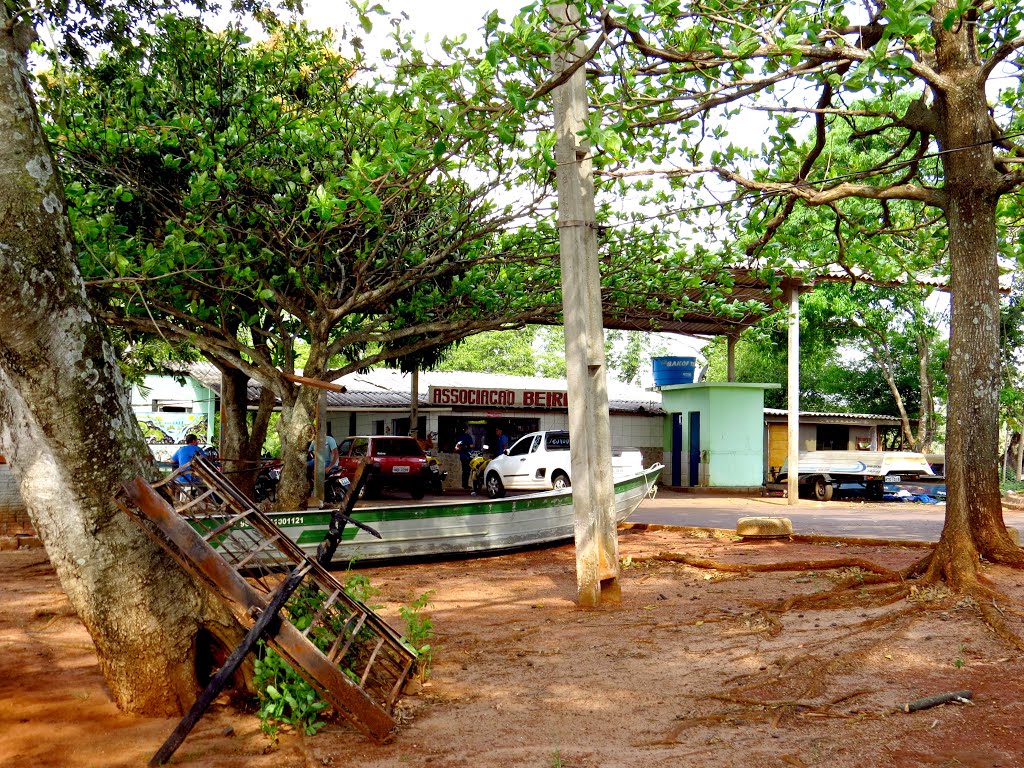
(459, 527)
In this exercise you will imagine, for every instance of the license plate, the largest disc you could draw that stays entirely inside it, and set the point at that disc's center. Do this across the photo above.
(400, 469)
(893, 479)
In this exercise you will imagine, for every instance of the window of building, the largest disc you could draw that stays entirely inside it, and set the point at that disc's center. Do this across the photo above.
(833, 437)
(172, 406)
(401, 427)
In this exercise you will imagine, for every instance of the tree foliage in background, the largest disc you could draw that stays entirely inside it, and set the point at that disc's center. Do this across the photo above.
(1011, 398)
(237, 196)
(508, 352)
(862, 350)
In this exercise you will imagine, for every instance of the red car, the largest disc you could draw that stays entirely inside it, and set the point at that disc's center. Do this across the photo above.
(398, 463)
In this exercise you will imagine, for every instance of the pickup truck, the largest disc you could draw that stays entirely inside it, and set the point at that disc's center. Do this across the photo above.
(540, 461)
(820, 470)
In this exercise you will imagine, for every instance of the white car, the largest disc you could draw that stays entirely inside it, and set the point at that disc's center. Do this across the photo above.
(540, 461)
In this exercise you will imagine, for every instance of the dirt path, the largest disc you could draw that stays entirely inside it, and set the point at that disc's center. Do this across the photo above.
(687, 671)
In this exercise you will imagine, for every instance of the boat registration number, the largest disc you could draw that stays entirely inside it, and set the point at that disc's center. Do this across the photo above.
(401, 469)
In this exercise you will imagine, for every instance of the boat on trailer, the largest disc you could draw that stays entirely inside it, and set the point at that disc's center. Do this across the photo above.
(439, 528)
(464, 527)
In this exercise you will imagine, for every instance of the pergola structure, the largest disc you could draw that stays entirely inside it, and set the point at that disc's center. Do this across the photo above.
(684, 315)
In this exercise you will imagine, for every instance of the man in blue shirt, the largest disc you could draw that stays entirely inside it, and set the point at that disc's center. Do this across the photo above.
(502, 441)
(462, 447)
(184, 455)
(329, 451)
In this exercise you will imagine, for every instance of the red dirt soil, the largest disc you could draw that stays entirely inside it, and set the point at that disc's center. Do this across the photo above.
(686, 671)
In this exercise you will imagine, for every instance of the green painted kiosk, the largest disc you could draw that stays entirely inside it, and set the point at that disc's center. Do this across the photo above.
(714, 434)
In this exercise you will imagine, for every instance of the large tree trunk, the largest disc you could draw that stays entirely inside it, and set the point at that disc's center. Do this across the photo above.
(974, 519)
(242, 442)
(298, 414)
(69, 434)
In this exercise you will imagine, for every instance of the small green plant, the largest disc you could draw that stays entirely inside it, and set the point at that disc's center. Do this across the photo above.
(358, 587)
(556, 757)
(284, 697)
(959, 662)
(418, 631)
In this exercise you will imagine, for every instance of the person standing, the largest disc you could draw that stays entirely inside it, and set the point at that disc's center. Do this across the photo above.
(463, 446)
(501, 440)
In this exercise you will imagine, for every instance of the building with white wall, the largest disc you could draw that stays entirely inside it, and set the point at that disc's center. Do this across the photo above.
(170, 408)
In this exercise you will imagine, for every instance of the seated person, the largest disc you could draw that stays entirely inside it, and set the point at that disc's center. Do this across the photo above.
(184, 455)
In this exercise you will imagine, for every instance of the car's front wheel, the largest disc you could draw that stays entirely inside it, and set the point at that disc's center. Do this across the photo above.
(495, 488)
(560, 480)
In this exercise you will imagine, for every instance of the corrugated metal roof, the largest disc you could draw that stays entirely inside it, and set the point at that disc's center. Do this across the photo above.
(834, 415)
(386, 388)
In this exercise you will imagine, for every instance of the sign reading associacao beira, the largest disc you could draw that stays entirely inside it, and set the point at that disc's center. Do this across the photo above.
(482, 397)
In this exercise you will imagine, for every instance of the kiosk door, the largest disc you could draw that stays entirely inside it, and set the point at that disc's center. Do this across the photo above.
(694, 448)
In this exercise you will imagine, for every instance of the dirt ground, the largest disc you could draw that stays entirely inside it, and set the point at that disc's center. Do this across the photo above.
(686, 671)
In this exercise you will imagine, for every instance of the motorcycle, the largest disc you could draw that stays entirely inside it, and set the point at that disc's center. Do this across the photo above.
(336, 486)
(436, 476)
(268, 477)
(478, 461)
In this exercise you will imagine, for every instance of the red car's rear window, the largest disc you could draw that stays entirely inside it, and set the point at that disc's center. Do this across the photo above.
(394, 446)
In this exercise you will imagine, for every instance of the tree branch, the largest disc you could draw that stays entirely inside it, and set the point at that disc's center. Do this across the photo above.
(1001, 54)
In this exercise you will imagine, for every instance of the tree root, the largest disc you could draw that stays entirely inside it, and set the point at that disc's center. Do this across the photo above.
(792, 704)
(798, 565)
(994, 618)
(879, 586)
(770, 712)
(794, 685)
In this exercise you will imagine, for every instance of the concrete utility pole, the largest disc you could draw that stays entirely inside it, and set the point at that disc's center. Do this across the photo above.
(318, 447)
(414, 403)
(793, 394)
(593, 492)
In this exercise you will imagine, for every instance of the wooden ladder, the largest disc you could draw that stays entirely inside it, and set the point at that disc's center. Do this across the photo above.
(354, 659)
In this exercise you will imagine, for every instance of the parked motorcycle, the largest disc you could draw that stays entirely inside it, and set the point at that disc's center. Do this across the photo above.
(268, 477)
(336, 486)
(478, 461)
(436, 476)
